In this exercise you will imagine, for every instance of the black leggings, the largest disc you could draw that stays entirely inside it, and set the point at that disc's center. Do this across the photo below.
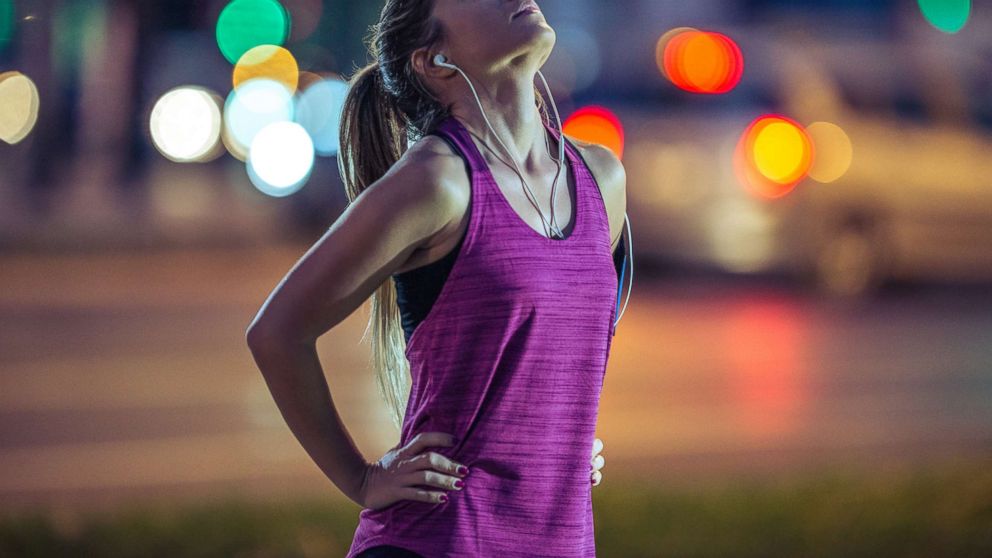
(387, 551)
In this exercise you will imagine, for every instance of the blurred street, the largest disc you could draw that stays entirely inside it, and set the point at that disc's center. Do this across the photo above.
(807, 189)
(125, 374)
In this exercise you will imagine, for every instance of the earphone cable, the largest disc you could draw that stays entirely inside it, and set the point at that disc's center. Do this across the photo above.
(531, 197)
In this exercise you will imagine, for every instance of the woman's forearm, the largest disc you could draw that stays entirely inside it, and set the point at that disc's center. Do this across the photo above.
(296, 380)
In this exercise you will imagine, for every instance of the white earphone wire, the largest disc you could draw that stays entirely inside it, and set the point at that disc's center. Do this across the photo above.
(440, 60)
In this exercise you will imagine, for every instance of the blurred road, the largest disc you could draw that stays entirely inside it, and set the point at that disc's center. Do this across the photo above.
(125, 375)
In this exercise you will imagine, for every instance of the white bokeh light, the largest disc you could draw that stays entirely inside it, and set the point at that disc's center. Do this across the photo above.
(280, 159)
(255, 104)
(19, 106)
(185, 124)
(319, 112)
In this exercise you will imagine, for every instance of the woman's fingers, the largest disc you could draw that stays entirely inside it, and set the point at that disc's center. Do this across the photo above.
(422, 470)
(421, 495)
(432, 469)
(425, 440)
(597, 446)
(596, 463)
(432, 478)
(434, 460)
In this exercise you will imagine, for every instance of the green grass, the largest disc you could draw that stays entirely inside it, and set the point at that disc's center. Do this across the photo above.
(929, 513)
(926, 513)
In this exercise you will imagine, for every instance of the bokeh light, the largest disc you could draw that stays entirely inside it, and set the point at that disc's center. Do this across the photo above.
(781, 150)
(19, 104)
(773, 155)
(6, 22)
(280, 159)
(251, 107)
(319, 112)
(834, 151)
(245, 24)
(185, 124)
(949, 16)
(267, 61)
(662, 45)
(596, 124)
(304, 17)
(575, 62)
(308, 78)
(699, 61)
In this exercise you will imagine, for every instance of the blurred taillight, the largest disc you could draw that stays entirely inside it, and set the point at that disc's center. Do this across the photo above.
(772, 156)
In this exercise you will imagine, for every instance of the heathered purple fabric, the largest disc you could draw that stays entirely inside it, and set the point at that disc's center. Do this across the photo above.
(511, 360)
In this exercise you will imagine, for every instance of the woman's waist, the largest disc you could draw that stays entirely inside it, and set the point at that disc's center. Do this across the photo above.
(510, 448)
(505, 494)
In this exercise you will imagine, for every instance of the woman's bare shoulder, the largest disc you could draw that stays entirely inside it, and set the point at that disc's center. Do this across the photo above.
(433, 155)
(604, 164)
(440, 174)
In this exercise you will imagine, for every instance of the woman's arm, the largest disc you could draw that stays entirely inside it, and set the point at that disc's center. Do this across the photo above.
(373, 237)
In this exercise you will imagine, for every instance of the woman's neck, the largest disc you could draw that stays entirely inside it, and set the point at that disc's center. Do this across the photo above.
(511, 107)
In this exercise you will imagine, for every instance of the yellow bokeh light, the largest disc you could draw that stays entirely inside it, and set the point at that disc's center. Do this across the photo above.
(781, 151)
(19, 103)
(834, 151)
(268, 61)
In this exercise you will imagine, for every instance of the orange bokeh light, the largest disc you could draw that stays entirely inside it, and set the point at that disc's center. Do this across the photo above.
(700, 61)
(595, 124)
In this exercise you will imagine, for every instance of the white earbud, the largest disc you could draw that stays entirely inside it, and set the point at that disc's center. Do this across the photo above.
(441, 60)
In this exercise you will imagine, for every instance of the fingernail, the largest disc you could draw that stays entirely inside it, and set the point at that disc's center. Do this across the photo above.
(462, 470)
(459, 484)
(444, 498)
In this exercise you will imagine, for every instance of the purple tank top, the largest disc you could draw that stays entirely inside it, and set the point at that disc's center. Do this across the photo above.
(510, 360)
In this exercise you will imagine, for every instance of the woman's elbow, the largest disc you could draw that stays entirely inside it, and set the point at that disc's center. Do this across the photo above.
(261, 336)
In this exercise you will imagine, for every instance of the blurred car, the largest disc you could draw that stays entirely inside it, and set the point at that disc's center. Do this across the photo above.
(915, 203)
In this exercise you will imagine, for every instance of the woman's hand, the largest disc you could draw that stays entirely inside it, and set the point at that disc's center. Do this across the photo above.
(597, 462)
(398, 474)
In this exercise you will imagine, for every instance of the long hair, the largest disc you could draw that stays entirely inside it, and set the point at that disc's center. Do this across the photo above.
(388, 107)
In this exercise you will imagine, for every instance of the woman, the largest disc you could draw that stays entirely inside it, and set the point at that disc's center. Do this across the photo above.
(506, 308)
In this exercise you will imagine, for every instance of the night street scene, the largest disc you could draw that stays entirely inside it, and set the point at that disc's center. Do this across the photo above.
(800, 353)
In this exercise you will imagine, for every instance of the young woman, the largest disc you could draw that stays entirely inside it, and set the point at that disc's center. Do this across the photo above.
(492, 264)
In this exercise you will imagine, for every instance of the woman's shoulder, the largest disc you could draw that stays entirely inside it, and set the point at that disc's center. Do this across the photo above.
(433, 157)
(604, 164)
(437, 183)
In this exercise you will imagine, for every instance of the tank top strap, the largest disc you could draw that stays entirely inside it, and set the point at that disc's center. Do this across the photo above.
(451, 128)
(592, 219)
(590, 197)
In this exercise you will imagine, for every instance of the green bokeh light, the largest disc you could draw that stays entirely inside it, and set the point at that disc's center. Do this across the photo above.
(6, 22)
(947, 15)
(245, 24)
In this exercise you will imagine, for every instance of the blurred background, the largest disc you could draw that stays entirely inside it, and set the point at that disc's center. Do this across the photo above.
(804, 367)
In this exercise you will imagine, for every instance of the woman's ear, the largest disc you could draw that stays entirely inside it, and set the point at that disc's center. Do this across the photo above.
(422, 60)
